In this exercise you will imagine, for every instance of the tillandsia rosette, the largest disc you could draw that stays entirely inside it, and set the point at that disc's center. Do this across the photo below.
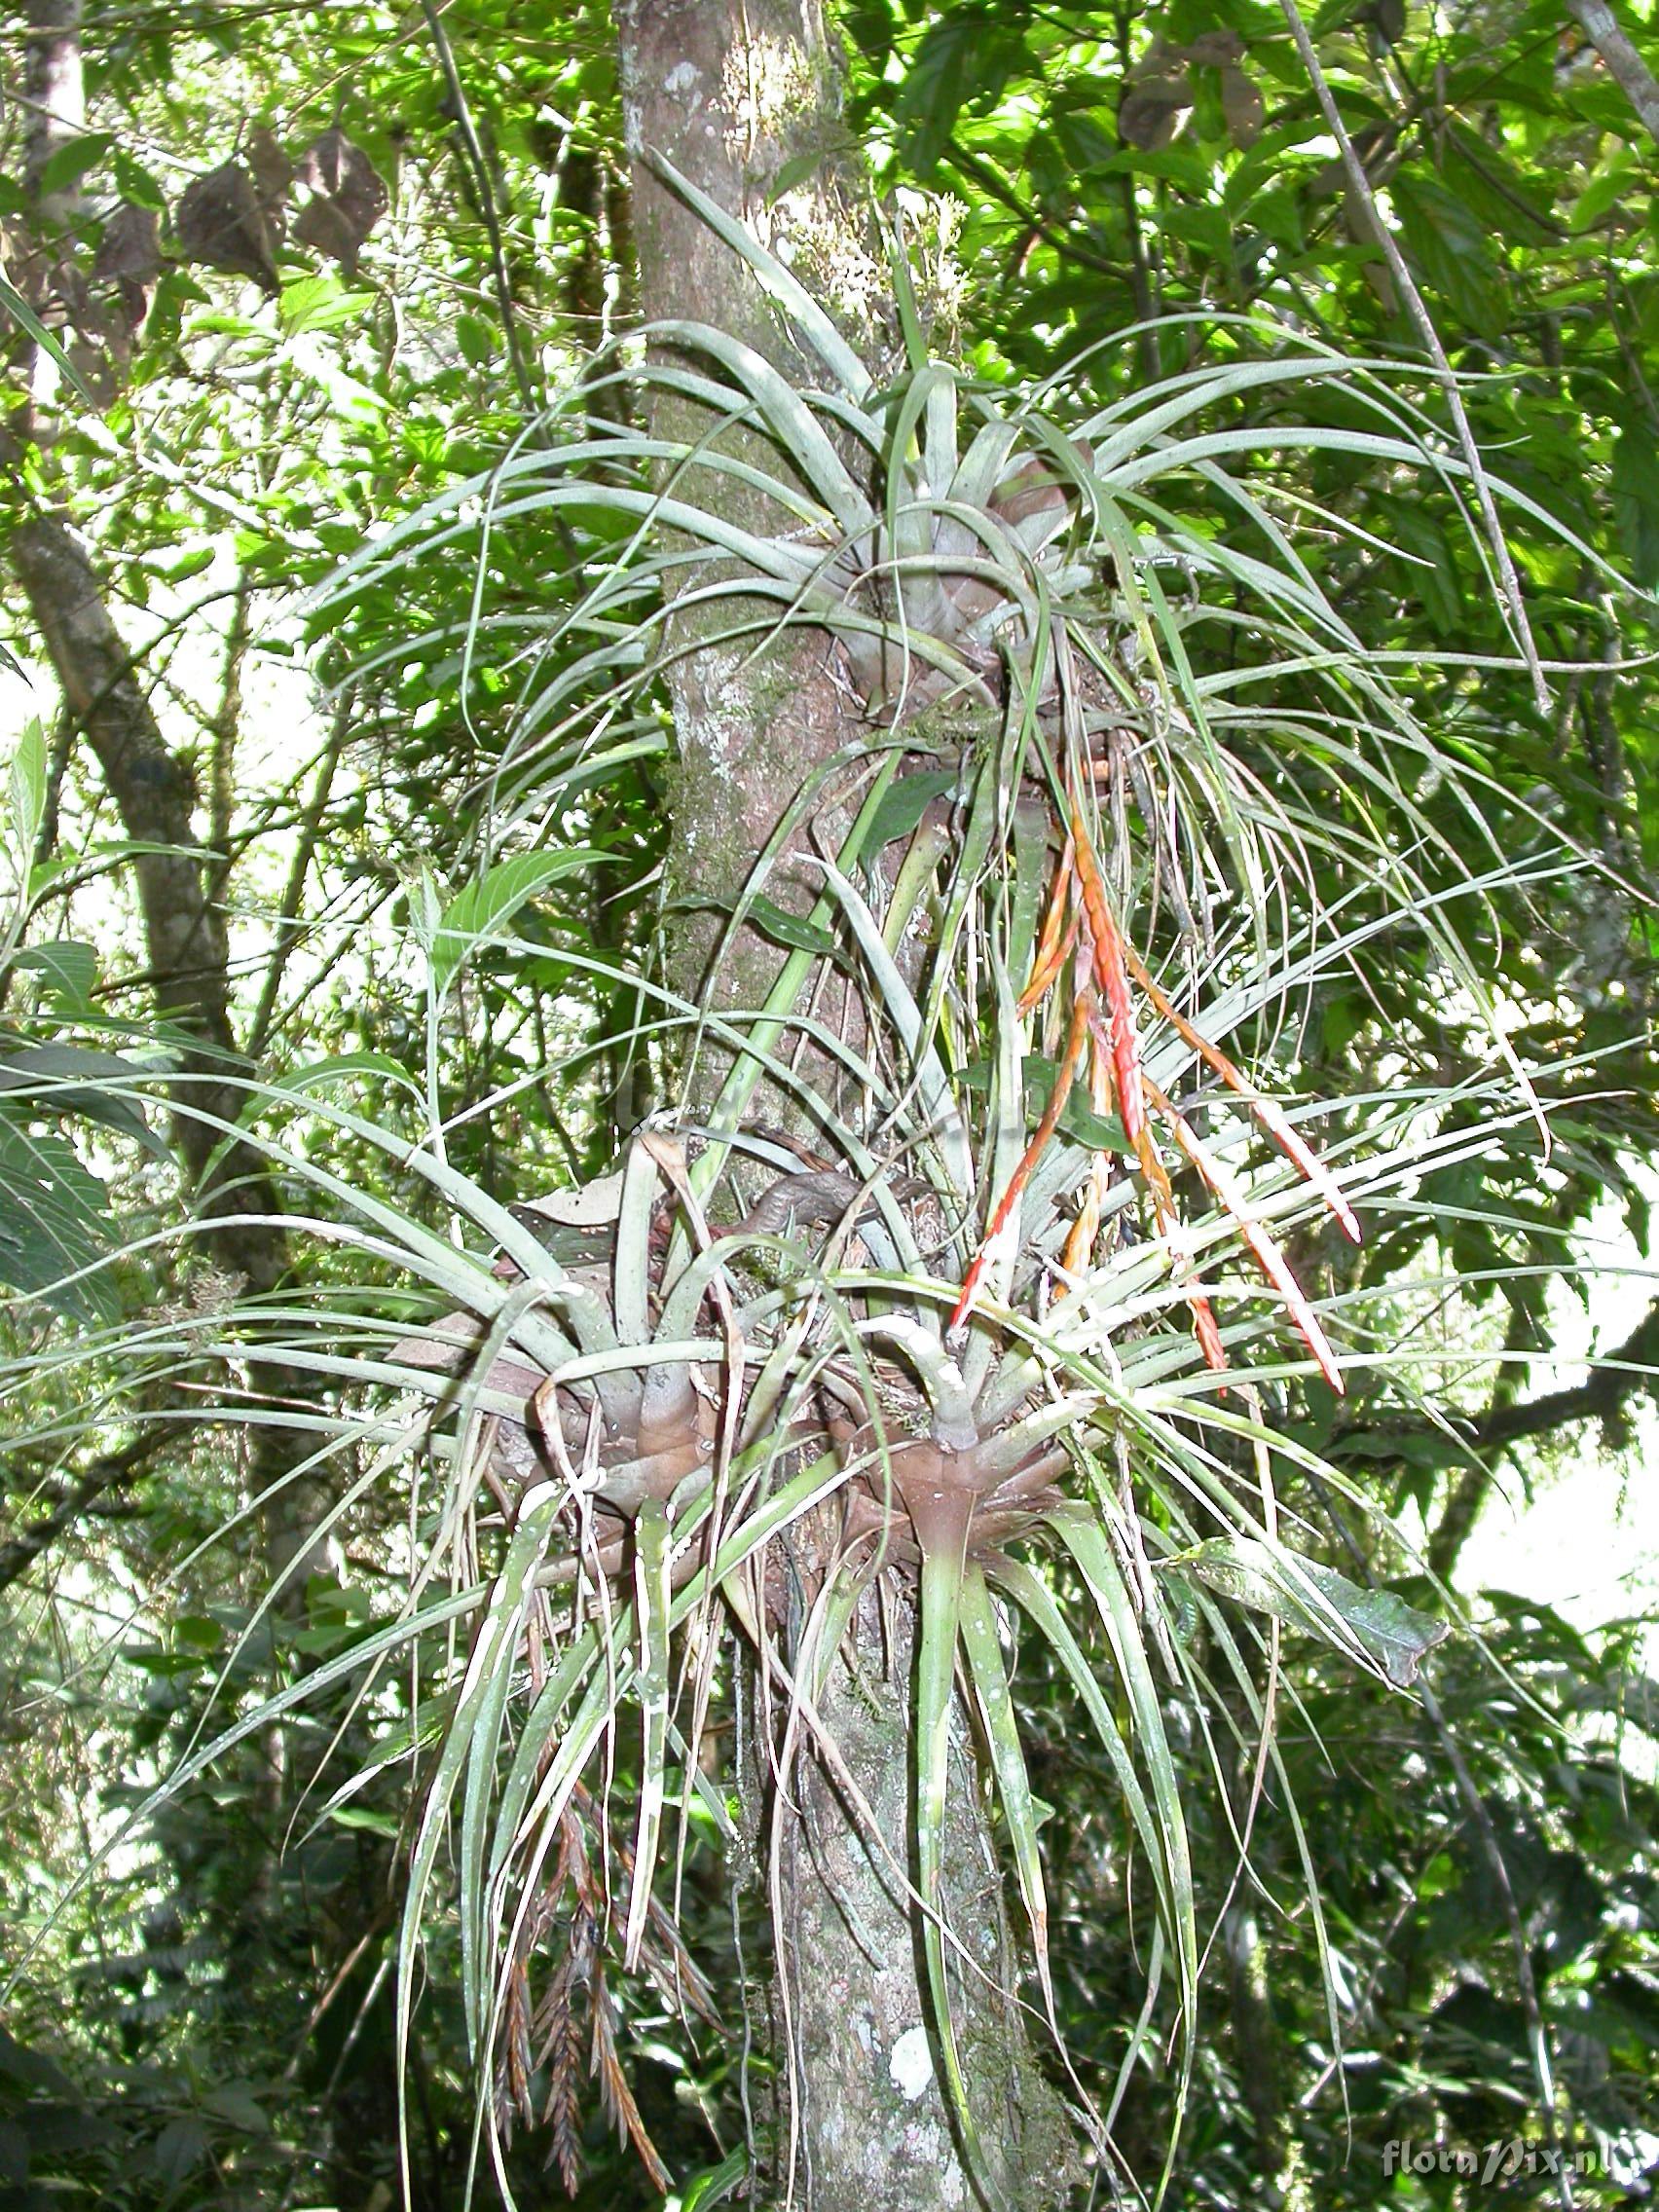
(712, 1389)
(1123, 787)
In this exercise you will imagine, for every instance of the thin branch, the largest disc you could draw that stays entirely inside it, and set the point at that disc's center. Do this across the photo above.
(1146, 344)
(293, 892)
(223, 731)
(467, 130)
(1060, 239)
(1632, 1371)
(1627, 1372)
(1597, 20)
(19, 1554)
(1521, 628)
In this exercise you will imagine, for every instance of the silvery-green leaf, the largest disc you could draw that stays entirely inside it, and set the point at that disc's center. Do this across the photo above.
(1318, 1600)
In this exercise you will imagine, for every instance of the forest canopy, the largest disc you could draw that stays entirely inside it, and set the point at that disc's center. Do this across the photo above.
(827, 1025)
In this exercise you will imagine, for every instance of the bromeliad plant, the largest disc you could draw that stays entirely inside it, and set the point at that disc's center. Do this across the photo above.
(1115, 734)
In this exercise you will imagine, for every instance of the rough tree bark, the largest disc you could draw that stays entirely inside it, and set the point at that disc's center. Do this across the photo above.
(731, 95)
(731, 90)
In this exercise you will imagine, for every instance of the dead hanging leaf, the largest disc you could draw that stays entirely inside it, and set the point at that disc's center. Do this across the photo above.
(129, 304)
(1214, 50)
(272, 171)
(1154, 110)
(98, 371)
(1241, 106)
(76, 295)
(347, 198)
(223, 221)
(130, 249)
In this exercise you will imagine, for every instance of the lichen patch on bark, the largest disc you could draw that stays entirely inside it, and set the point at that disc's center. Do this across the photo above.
(909, 2064)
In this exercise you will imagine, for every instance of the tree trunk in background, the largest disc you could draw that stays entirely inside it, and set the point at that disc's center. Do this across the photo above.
(153, 792)
(731, 91)
(268, 1946)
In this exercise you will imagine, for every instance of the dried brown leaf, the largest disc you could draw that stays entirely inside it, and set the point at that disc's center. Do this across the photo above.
(1214, 50)
(1150, 115)
(1241, 106)
(347, 198)
(618, 2097)
(222, 221)
(130, 247)
(272, 171)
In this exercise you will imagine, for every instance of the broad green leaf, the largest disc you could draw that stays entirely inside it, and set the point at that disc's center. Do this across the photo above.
(68, 967)
(484, 910)
(1451, 249)
(716, 2183)
(177, 2151)
(1100, 1132)
(1432, 578)
(74, 1078)
(964, 59)
(51, 1224)
(71, 162)
(191, 564)
(477, 338)
(319, 303)
(26, 791)
(235, 2102)
(1611, 185)
(790, 929)
(135, 183)
(908, 800)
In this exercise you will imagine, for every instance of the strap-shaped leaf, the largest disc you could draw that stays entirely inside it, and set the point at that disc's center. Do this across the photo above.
(652, 1595)
(804, 311)
(989, 1677)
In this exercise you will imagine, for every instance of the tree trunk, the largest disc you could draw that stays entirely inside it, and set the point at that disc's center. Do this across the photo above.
(731, 95)
(857, 2043)
(731, 90)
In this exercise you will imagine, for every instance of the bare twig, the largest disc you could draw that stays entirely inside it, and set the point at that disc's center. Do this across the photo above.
(19, 1553)
(467, 131)
(224, 730)
(1632, 1369)
(293, 893)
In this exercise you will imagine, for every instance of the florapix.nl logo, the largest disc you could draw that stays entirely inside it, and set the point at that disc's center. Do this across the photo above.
(1508, 2156)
